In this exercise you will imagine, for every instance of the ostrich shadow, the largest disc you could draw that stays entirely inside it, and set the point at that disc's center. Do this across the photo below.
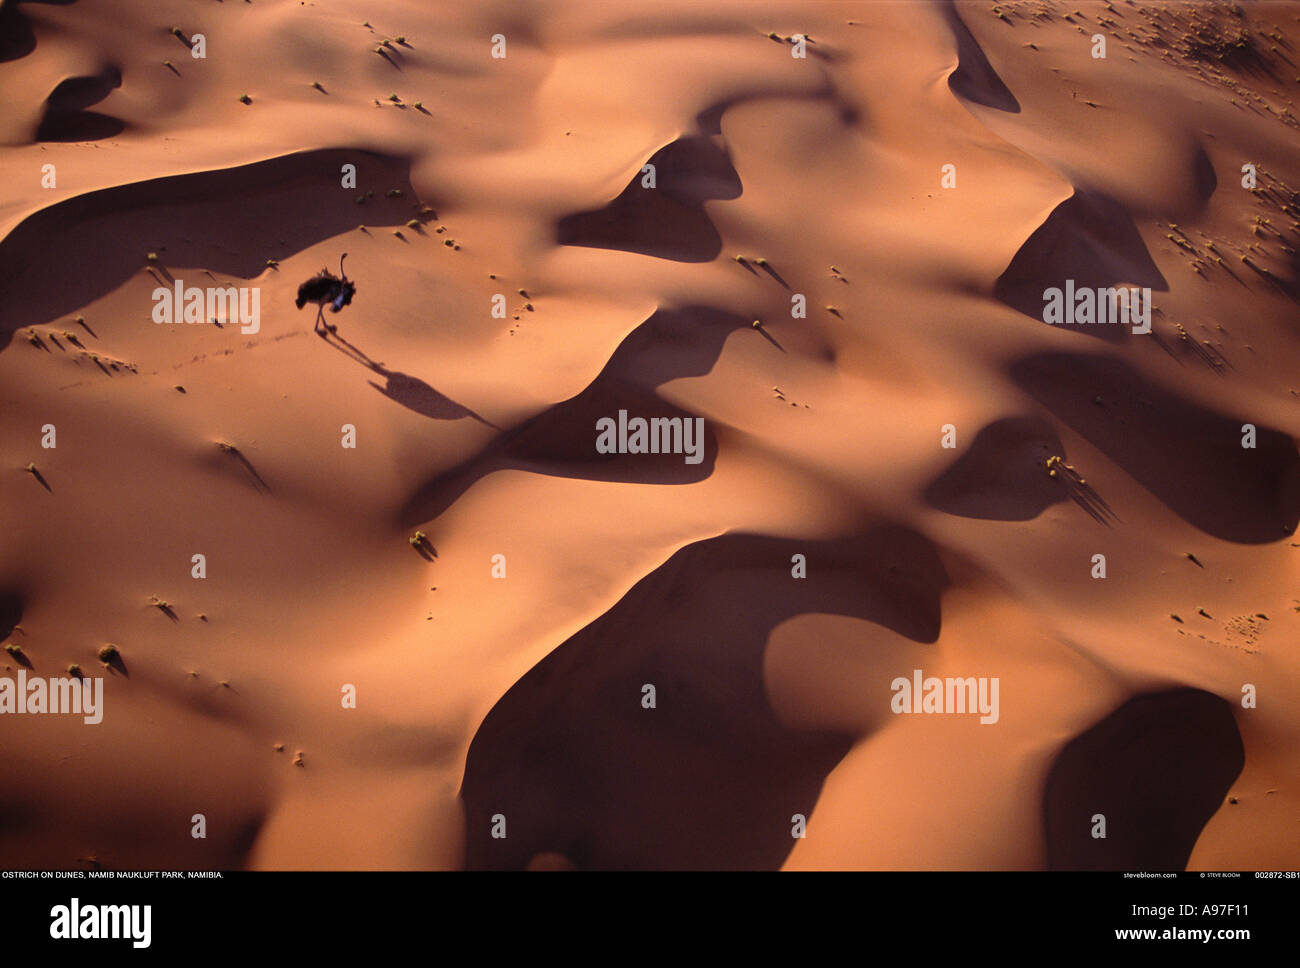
(411, 392)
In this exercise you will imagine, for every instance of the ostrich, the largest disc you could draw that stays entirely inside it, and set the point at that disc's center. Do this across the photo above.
(325, 287)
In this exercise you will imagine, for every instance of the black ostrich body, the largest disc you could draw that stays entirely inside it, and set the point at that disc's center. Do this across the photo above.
(325, 287)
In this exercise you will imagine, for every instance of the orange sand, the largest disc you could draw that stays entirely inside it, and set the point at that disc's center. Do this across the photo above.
(822, 433)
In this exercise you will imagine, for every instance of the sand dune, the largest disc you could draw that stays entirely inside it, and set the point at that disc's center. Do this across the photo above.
(517, 282)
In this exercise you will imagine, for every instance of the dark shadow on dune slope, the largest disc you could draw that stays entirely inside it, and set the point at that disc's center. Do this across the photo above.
(1157, 769)
(11, 612)
(975, 79)
(561, 441)
(1089, 238)
(1207, 182)
(230, 221)
(1287, 281)
(16, 36)
(1002, 477)
(1189, 457)
(1291, 285)
(65, 117)
(1217, 35)
(667, 221)
(78, 126)
(148, 843)
(709, 778)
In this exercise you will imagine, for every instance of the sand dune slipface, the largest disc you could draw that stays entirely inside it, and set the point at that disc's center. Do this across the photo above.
(975, 79)
(1163, 761)
(1090, 240)
(705, 347)
(1001, 476)
(585, 742)
(670, 223)
(222, 220)
(563, 440)
(1189, 457)
(66, 117)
